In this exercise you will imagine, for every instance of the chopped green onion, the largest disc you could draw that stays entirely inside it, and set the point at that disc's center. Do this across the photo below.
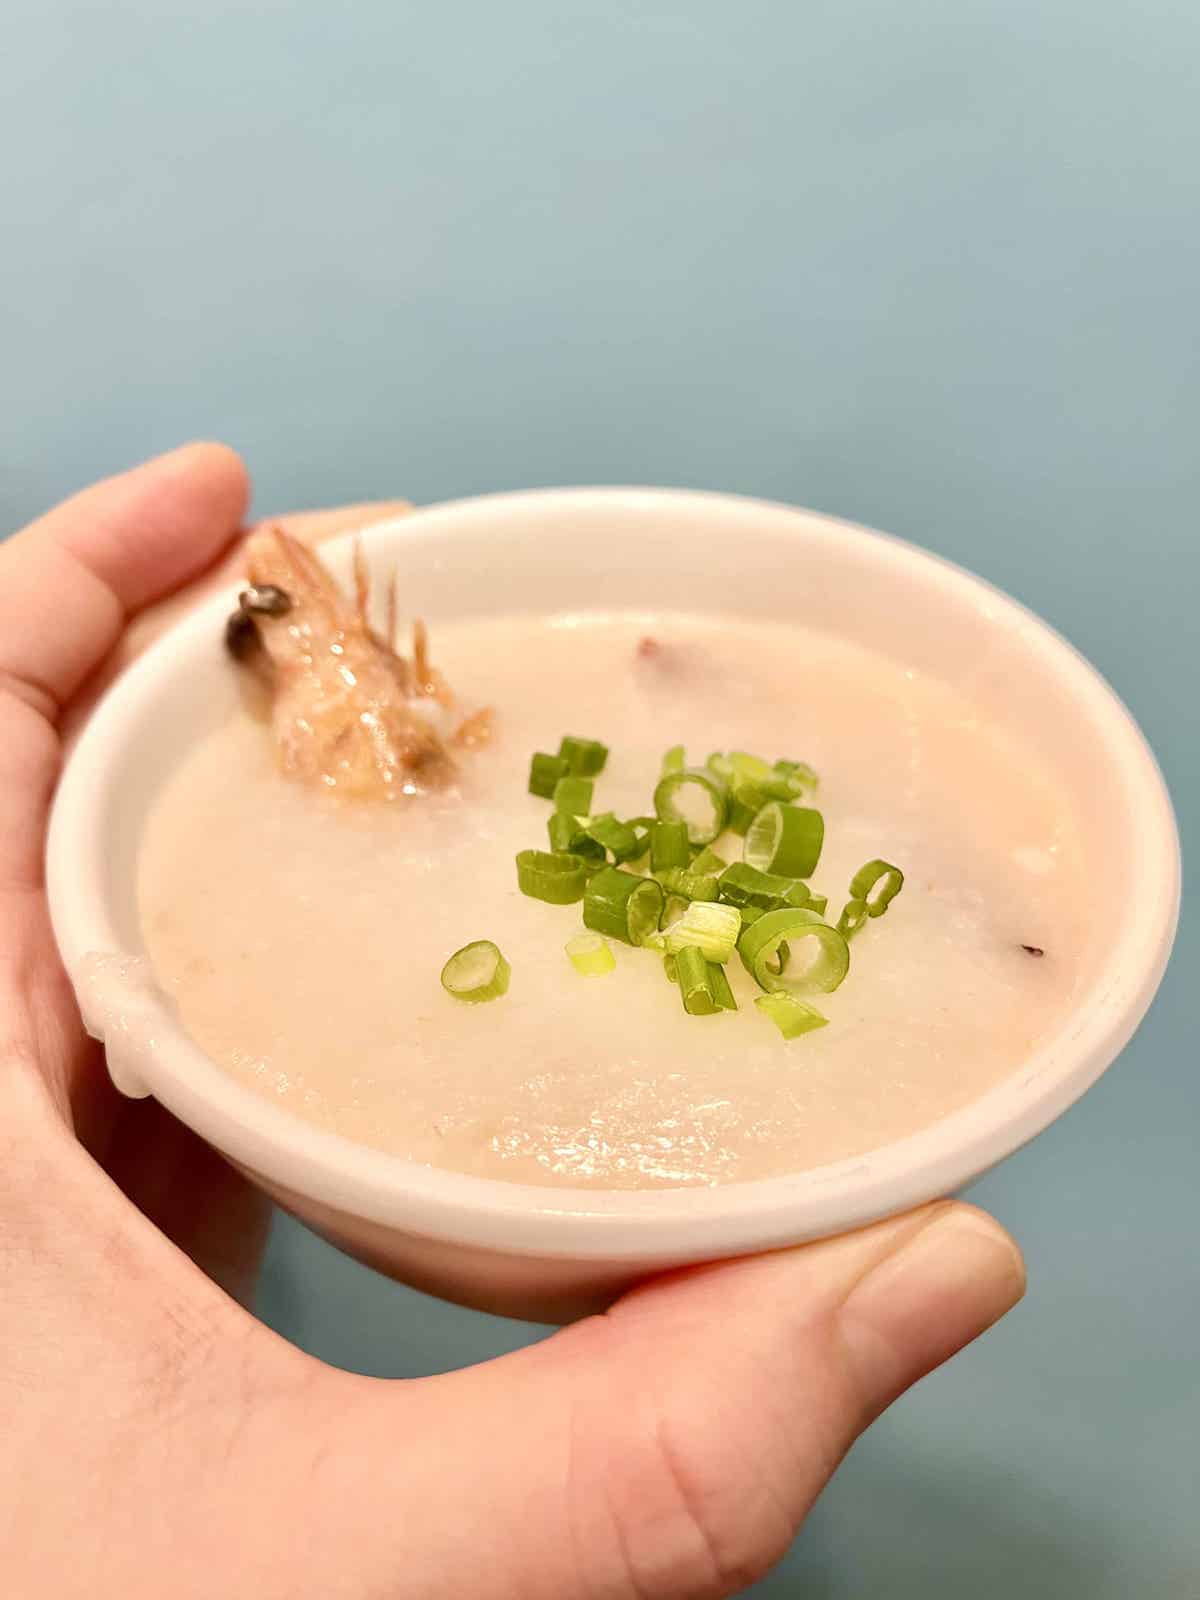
(777, 787)
(712, 927)
(689, 885)
(622, 905)
(669, 845)
(696, 798)
(745, 803)
(854, 914)
(743, 885)
(790, 1015)
(709, 861)
(674, 760)
(750, 914)
(567, 836)
(747, 768)
(612, 835)
(722, 993)
(573, 795)
(718, 765)
(584, 757)
(544, 773)
(476, 972)
(671, 968)
(557, 878)
(693, 975)
(673, 908)
(785, 839)
(589, 954)
(815, 902)
(766, 947)
(865, 880)
(799, 773)
(641, 847)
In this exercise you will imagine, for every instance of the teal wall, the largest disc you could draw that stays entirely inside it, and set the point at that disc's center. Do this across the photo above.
(931, 266)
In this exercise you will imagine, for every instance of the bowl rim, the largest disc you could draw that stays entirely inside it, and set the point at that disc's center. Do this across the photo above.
(644, 1225)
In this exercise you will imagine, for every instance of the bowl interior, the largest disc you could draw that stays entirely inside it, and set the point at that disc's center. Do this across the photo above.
(639, 550)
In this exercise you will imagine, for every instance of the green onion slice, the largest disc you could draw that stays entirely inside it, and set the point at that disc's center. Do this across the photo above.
(567, 836)
(674, 760)
(689, 885)
(785, 839)
(669, 845)
(878, 884)
(743, 885)
(713, 928)
(708, 861)
(617, 837)
(696, 798)
(798, 773)
(673, 908)
(815, 902)
(584, 757)
(722, 993)
(589, 954)
(573, 795)
(854, 914)
(476, 972)
(544, 773)
(694, 977)
(622, 905)
(557, 878)
(769, 943)
(791, 1016)
(745, 803)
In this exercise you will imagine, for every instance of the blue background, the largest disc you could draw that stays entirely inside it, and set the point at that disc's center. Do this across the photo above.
(931, 266)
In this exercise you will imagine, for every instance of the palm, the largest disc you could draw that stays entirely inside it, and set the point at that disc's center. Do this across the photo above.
(668, 1449)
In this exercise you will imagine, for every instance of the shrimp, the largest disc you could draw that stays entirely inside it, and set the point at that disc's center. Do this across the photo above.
(342, 699)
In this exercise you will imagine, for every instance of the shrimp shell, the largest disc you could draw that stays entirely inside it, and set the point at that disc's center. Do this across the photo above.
(341, 697)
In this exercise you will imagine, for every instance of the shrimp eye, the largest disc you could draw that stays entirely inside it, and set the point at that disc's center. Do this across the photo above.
(241, 636)
(266, 599)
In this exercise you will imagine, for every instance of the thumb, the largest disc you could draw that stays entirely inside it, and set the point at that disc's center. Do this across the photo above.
(668, 1450)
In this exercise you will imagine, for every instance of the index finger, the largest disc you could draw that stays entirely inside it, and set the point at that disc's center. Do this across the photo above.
(67, 585)
(69, 582)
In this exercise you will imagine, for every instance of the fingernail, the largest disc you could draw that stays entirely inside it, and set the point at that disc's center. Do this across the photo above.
(943, 1286)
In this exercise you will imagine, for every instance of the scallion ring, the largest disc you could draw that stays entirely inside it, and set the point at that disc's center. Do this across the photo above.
(854, 914)
(584, 757)
(790, 1015)
(714, 928)
(878, 884)
(617, 837)
(590, 955)
(769, 943)
(476, 972)
(696, 798)
(689, 885)
(558, 878)
(622, 905)
(785, 839)
(544, 772)
(744, 885)
(669, 845)
(693, 974)
(573, 795)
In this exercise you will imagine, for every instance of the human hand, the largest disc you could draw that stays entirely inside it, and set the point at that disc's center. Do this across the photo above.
(158, 1440)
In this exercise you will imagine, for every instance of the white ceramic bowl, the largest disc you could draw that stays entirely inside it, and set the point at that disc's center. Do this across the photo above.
(547, 1252)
